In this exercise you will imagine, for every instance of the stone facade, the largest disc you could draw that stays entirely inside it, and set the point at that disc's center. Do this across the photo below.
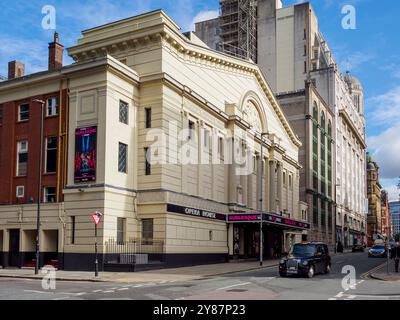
(140, 81)
(374, 230)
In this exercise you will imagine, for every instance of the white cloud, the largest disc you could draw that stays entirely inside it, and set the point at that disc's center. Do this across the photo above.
(393, 69)
(354, 61)
(33, 53)
(385, 108)
(203, 16)
(386, 151)
(90, 14)
(391, 187)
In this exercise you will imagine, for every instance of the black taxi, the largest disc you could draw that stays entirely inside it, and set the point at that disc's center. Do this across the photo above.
(306, 259)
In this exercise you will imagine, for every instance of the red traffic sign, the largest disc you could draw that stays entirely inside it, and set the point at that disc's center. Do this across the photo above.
(97, 217)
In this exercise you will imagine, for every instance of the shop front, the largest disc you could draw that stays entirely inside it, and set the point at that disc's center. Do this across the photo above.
(279, 234)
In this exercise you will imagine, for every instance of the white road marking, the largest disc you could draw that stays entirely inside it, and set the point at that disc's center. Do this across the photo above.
(234, 285)
(122, 289)
(109, 291)
(95, 291)
(36, 291)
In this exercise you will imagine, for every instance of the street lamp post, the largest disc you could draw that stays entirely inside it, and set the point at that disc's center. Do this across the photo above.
(39, 195)
(261, 200)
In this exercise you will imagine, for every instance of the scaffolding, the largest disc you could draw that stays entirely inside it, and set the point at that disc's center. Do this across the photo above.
(238, 28)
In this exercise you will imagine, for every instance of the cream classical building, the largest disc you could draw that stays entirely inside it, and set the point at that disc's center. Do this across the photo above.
(181, 148)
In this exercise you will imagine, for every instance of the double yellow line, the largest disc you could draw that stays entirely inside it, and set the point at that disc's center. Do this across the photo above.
(366, 275)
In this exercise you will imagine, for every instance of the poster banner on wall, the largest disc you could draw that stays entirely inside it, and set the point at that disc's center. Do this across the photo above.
(85, 154)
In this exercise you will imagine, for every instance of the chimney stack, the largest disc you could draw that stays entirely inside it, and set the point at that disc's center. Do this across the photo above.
(16, 69)
(56, 51)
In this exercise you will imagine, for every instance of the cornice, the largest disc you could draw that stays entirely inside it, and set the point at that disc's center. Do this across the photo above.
(345, 116)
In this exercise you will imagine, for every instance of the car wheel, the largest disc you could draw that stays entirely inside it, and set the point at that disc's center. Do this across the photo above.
(311, 272)
(282, 274)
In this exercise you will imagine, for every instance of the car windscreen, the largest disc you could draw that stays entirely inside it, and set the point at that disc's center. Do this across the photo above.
(378, 248)
(302, 250)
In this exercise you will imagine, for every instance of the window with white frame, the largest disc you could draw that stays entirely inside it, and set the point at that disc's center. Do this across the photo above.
(52, 107)
(50, 194)
(51, 155)
(20, 191)
(23, 112)
(22, 158)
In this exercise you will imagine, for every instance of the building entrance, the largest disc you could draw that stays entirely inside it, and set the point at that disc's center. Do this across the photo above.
(13, 251)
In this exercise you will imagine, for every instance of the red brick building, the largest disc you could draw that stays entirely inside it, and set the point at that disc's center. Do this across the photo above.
(19, 158)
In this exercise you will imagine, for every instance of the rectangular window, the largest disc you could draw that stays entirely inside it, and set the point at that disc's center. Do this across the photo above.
(73, 225)
(221, 147)
(122, 158)
(147, 229)
(23, 112)
(290, 181)
(147, 155)
(284, 178)
(191, 130)
(51, 155)
(123, 112)
(121, 230)
(305, 66)
(148, 118)
(20, 191)
(206, 138)
(315, 210)
(50, 195)
(52, 107)
(22, 158)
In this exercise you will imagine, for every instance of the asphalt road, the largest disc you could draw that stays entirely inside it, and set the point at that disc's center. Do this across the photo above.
(263, 284)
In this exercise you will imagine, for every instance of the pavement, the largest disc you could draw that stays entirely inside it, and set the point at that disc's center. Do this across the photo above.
(381, 273)
(162, 275)
(349, 280)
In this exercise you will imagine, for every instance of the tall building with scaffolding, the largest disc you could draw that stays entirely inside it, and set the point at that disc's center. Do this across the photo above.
(238, 28)
(324, 106)
(235, 31)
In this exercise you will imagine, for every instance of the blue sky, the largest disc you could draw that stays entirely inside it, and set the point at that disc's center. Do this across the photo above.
(371, 52)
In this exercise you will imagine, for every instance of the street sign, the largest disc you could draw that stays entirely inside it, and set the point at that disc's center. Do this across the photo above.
(97, 217)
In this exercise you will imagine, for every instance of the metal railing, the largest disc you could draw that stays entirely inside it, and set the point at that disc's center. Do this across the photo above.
(137, 251)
